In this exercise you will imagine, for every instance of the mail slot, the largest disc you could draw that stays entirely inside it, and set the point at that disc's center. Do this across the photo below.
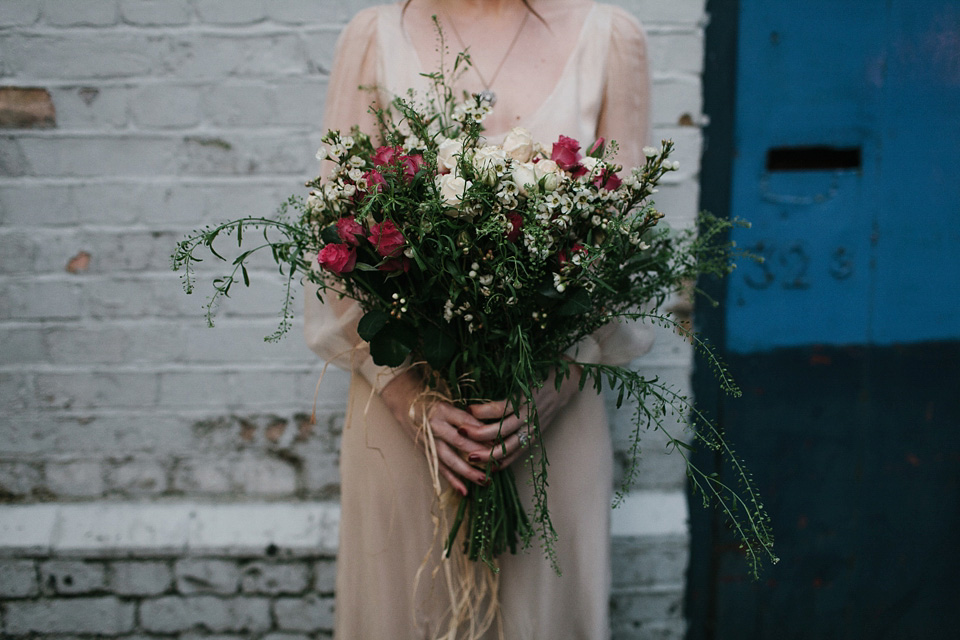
(813, 158)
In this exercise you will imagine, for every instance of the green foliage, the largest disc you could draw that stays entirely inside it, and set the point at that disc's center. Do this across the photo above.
(488, 268)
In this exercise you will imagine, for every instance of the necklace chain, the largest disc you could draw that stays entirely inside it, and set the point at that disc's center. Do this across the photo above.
(487, 93)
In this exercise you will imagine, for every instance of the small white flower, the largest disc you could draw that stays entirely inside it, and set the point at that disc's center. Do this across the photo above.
(355, 161)
(322, 153)
(355, 175)
(650, 152)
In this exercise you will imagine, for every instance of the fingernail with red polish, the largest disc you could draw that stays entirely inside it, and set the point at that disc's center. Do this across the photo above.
(474, 457)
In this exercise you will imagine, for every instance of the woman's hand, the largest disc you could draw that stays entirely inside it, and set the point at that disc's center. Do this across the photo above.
(447, 424)
(501, 419)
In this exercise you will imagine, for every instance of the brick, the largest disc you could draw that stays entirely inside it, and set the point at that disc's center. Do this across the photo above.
(312, 11)
(17, 13)
(648, 630)
(242, 388)
(173, 614)
(154, 13)
(26, 108)
(309, 613)
(654, 11)
(74, 479)
(206, 576)
(21, 345)
(98, 155)
(18, 579)
(138, 477)
(33, 300)
(274, 579)
(218, 56)
(321, 474)
(13, 160)
(83, 345)
(648, 605)
(96, 390)
(204, 476)
(244, 154)
(675, 99)
(86, 107)
(164, 106)
(140, 578)
(325, 576)
(234, 12)
(105, 615)
(19, 480)
(649, 561)
(68, 577)
(99, 434)
(263, 476)
(673, 52)
(203, 345)
(80, 13)
(16, 391)
(77, 55)
(321, 47)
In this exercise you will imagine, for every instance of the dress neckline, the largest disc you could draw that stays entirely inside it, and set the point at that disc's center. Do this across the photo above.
(529, 120)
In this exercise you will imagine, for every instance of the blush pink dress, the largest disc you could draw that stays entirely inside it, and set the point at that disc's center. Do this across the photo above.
(387, 495)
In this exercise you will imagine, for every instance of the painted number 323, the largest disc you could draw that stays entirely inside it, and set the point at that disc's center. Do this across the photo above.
(790, 265)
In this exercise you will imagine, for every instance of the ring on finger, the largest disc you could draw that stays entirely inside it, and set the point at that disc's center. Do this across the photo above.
(523, 436)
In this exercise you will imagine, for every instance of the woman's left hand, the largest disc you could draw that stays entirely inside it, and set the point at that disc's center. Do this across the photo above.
(511, 425)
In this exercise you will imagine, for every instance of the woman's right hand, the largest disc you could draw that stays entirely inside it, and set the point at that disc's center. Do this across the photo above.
(446, 422)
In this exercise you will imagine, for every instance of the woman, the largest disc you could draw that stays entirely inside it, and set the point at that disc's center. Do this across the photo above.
(555, 67)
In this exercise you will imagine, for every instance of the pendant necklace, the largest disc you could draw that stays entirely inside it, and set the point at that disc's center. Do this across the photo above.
(488, 94)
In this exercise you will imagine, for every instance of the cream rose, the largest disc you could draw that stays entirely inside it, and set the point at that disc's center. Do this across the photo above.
(519, 144)
(489, 161)
(452, 189)
(524, 174)
(550, 172)
(448, 154)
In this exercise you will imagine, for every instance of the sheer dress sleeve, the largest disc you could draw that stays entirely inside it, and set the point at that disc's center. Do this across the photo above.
(330, 327)
(625, 118)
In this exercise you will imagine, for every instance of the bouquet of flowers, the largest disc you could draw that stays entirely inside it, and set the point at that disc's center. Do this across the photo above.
(482, 264)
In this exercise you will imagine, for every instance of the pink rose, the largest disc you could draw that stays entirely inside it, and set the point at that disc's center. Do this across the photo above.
(516, 222)
(411, 165)
(608, 180)
(396, 264)
(337, 258)
(596, 149)
(375, 181)
(566, 153)
(386, 155)
(386, 238)
(348, 229)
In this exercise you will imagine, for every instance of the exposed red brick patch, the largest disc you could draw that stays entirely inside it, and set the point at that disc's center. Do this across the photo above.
(79, 263)
(26, 108)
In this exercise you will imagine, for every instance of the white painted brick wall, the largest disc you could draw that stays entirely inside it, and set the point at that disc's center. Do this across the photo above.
(172, 114)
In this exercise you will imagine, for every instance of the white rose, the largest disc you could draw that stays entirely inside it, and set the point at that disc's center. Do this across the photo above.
(524, 174)
(448, 154)
(452, 189)
(548, 170)
(489, 161)
(519, 144)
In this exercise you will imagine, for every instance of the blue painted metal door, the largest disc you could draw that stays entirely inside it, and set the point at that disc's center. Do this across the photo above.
(845, 140)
